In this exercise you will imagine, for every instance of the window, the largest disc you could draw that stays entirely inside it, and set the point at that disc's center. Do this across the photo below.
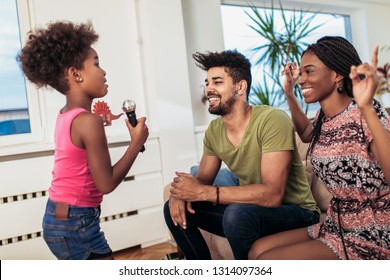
(21, 119)
(14, 114)
(238, 35)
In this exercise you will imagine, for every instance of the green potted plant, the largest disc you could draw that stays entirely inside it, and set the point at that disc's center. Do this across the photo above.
(281, 46)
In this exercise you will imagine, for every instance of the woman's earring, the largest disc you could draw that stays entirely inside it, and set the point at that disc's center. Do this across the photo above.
(81, 79)
(340, 89)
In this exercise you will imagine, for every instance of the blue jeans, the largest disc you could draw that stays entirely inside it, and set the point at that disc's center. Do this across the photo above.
(242, 224)
(79, 237)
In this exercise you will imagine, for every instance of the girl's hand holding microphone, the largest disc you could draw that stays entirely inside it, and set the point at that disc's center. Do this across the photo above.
(139, 134)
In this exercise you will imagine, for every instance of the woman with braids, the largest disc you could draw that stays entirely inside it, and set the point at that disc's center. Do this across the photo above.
(61, 56)
(349, 150)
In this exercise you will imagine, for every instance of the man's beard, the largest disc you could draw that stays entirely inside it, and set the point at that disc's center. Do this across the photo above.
(224, 108)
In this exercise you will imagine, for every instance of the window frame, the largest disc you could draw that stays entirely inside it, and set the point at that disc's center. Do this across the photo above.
(291, 6)
(12, 144)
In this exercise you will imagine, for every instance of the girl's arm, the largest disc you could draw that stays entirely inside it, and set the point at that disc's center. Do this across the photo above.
(90, 129)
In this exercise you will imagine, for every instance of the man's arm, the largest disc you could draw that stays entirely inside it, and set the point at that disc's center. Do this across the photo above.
(275, 168)
(199, 188)
(208, 169)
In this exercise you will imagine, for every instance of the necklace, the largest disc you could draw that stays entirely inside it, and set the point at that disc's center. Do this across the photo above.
(338, 114)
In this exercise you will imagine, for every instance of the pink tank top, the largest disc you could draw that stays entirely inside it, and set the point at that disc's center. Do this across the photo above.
(72, 182)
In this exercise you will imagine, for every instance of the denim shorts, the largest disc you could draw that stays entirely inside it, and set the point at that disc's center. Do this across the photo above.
(79, 237)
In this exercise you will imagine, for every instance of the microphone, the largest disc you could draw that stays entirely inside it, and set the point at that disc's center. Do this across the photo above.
(129, 108)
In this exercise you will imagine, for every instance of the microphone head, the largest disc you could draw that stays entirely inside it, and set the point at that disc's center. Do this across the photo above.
(128, 106)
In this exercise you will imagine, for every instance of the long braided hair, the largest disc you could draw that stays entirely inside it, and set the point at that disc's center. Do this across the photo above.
(338, 54)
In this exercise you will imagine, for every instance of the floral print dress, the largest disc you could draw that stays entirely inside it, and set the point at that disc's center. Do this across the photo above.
(357, 224)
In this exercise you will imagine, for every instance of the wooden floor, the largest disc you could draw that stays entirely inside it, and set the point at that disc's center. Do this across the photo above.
(155, 252)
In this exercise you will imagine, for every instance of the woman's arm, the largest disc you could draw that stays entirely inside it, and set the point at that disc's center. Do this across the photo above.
(302, 124)
(380, 145)
(363, 91)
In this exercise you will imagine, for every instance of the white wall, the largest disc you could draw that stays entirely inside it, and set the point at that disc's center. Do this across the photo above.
(203, 32)
(167, 83)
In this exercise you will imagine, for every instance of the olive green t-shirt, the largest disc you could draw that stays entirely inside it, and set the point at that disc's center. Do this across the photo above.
(269, 130)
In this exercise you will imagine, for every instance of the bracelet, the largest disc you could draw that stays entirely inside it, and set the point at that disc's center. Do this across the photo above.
(217, 200)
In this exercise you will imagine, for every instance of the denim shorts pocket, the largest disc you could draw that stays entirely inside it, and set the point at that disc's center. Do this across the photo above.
(58, 246)
(88, 220)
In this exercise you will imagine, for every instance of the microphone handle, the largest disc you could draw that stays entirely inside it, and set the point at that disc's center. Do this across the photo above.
(133, 121)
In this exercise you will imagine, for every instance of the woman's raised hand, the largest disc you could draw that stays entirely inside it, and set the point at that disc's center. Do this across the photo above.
(365, 81)
(291, 72)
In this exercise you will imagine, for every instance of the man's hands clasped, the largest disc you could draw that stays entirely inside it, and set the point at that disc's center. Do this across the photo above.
(184, 189)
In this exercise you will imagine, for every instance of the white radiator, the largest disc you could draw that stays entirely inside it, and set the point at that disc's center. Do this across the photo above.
(131, 214)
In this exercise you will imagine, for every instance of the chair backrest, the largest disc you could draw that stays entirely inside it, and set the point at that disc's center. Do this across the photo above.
(320, 193)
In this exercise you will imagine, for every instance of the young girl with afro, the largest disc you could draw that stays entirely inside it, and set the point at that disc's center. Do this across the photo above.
(61, 56)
